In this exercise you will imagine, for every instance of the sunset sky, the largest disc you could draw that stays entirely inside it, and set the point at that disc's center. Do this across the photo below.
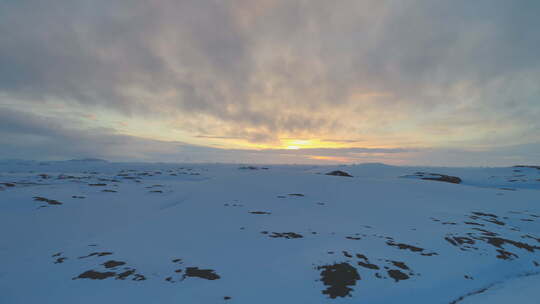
(256, 81)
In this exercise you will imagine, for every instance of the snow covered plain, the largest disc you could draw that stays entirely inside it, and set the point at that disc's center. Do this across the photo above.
(99, 232)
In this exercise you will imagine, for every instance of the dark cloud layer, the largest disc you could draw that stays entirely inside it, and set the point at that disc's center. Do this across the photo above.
(264, 69)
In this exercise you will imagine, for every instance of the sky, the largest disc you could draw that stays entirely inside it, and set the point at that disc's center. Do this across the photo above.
(449, 83)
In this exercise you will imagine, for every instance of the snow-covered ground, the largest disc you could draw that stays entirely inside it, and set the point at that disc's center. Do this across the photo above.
(98, 232)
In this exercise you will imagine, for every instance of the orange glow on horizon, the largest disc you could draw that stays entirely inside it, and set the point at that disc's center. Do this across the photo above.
(331, 158)
(290, 143)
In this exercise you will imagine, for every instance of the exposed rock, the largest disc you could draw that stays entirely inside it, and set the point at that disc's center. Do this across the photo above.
(95, 275)
(208, 274)
(48, 201)
(338, 278)
(444, 178)
(339, 173)
(397, 275)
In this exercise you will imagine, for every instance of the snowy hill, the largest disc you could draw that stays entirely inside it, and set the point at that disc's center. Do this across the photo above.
(91, 231)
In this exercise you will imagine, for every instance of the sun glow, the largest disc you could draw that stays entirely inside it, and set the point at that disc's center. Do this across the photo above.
(289, 143)
(331, 158)
(293, 148)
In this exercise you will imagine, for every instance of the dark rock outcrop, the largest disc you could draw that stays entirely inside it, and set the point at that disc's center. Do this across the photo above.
(339, 173)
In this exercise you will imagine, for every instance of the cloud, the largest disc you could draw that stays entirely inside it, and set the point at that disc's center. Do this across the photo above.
(392, 73)
(28, 136)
